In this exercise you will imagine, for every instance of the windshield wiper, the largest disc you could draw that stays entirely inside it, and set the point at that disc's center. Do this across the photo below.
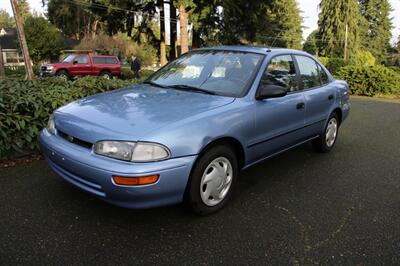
(191, 88)
(156, 84)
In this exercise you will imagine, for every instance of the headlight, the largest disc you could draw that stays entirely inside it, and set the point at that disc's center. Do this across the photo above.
(50, 68)
(132, 151)
(51, 126)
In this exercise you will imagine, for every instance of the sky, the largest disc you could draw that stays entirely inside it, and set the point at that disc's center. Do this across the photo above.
(309, 10)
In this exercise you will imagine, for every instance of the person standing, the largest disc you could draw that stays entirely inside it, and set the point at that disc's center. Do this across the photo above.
(135, 67)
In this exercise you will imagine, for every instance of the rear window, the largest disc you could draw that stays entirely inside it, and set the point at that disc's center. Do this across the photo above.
(104, 60)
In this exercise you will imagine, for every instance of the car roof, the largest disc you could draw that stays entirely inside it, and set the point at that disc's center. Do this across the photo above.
(251, 49)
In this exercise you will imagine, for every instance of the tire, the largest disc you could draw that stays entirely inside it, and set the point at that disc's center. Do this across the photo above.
(325, 142)
(106, 74)
(215, 173)
(63, 74)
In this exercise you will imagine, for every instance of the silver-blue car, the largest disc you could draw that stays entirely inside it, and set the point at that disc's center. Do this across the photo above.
(185, 133)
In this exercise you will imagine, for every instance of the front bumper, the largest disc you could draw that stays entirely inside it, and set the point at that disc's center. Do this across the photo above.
(93, 173)
(46, 73)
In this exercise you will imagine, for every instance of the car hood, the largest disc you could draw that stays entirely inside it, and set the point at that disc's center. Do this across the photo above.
(131, 113)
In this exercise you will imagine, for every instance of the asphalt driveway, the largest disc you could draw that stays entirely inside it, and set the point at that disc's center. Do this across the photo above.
(298, 208)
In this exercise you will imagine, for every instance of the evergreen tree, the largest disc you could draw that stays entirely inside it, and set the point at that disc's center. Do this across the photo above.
(272, 23)
(376, 28)
(6, 21)
(24, 9)
(285, 17)
(335, 15)
(310, 45)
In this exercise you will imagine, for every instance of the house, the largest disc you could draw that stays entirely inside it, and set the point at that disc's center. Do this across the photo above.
(9, 47)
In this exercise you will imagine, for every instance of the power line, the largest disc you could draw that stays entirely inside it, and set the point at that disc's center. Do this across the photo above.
(105, 8)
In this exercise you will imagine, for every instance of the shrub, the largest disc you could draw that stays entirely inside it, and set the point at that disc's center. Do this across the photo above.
(25, 106)
(332, 64)
(371, 80)
(18, 71)
(363, 58)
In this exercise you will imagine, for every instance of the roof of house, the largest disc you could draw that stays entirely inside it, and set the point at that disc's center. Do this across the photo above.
(10, 39)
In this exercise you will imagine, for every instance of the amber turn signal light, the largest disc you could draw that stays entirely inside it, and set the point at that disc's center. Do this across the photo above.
(135, 181)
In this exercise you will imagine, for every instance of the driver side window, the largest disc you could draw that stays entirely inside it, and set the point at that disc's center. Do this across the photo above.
(82, 59)
(281, 71)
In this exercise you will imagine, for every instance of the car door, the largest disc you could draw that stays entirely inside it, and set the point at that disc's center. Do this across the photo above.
(81, 66)
(279, 121)
(318, 93)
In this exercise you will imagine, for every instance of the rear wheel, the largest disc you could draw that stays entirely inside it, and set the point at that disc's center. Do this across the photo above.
(63, 74)
(106, 74)
(212, 180)
(326, 141)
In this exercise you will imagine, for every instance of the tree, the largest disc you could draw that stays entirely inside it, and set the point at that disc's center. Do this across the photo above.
(334, 17)
(310, 45)
(205, 18)
(24, 9)
(44, 40)
(376, 27)
(272, 23)
(6, 21)
(163, 55)
(184, 7)
(285, 20)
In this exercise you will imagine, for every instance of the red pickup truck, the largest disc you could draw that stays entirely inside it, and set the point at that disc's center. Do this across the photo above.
(75, 65)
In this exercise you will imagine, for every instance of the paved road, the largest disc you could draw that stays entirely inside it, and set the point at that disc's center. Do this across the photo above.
(298, 208)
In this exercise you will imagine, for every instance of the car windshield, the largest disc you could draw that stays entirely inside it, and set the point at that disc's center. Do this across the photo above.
(68, 59)
(218, 72)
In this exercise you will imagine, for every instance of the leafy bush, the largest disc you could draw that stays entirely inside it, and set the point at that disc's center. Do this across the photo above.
(363, 58)
(128, 74)
(332, 64)
(371, 80)
(18, 71)
(25, 106)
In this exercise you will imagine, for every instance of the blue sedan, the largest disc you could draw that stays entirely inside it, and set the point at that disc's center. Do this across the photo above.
(185, 133)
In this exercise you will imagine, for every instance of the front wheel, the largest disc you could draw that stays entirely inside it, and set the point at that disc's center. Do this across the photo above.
(63, 74)
(326, 141)
(212, 180)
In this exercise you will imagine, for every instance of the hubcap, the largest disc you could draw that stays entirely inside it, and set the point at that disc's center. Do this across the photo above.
(106, 76)
(216, 181)
(331, 132)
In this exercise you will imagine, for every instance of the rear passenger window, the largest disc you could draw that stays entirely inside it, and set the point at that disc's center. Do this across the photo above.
(309, 72)
(111, 60)
(323, 76)
(99, 60)
(282, 72)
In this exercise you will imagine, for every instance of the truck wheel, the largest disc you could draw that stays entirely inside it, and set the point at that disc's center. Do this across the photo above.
(106, 75)
(62, 74)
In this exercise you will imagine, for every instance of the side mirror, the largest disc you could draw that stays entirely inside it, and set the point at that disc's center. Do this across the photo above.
(266, 91)
(75, 62)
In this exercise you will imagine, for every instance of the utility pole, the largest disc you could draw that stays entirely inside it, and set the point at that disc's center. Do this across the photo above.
(22, 40)
(345, 41)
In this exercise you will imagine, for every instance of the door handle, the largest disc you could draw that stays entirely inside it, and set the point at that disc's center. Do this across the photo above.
(300, 105)
(330, 97)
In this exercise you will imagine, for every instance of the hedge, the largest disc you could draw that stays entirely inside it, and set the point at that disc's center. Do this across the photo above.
(332, 64)
(371, 80)
(25, 106)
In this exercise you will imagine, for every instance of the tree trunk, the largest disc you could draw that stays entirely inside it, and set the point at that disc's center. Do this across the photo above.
(163, 56)
(173, 33)
(2, 72)
(22, 40)
(183, 19)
